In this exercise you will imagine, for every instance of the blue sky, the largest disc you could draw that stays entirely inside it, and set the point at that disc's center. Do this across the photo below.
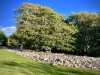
(65, 7)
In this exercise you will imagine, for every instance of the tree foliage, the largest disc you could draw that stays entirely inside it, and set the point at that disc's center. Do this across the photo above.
(13, 40)
(36, 15)
(2, 38)
(58, 37)
(88, 35)
(41, 28)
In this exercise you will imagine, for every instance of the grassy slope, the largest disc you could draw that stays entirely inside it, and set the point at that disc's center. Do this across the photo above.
(11, 64)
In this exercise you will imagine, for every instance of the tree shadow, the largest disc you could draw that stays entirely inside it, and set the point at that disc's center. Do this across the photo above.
(55, 70)
(42, 68)
(10, 63)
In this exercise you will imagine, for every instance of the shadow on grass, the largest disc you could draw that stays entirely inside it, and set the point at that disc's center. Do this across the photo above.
(10, 63)
(40, 68)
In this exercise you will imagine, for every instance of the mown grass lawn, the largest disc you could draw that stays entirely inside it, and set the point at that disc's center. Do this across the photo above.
(11, 64)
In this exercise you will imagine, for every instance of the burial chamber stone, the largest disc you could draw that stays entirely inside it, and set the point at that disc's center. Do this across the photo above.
(19, 46)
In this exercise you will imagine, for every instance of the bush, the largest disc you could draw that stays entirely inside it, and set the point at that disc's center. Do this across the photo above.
(94, 53)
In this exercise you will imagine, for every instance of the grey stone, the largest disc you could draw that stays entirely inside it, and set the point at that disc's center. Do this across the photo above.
(61, 59)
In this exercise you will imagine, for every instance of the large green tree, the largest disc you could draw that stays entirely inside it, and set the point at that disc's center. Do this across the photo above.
(30, 15)
(41, 28)
(88, 26)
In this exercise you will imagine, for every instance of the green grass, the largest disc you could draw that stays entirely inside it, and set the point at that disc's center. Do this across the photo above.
(11, 64)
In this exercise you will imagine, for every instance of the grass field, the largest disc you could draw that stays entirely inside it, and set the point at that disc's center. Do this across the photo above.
(11, 64)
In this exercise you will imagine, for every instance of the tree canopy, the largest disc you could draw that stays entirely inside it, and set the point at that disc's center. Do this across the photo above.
(41, 28)
(36, 15)
(88, 35)
(2, 38)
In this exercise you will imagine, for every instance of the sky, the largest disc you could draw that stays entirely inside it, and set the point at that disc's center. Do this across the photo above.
(66, 7)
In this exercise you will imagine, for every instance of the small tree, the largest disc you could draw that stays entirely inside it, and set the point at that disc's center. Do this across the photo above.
(2, 38)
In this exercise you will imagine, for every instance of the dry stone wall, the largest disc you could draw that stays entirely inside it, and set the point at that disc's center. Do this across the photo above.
(61, 59)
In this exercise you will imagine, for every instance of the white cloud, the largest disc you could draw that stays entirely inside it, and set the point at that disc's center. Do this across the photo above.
(8, 30)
